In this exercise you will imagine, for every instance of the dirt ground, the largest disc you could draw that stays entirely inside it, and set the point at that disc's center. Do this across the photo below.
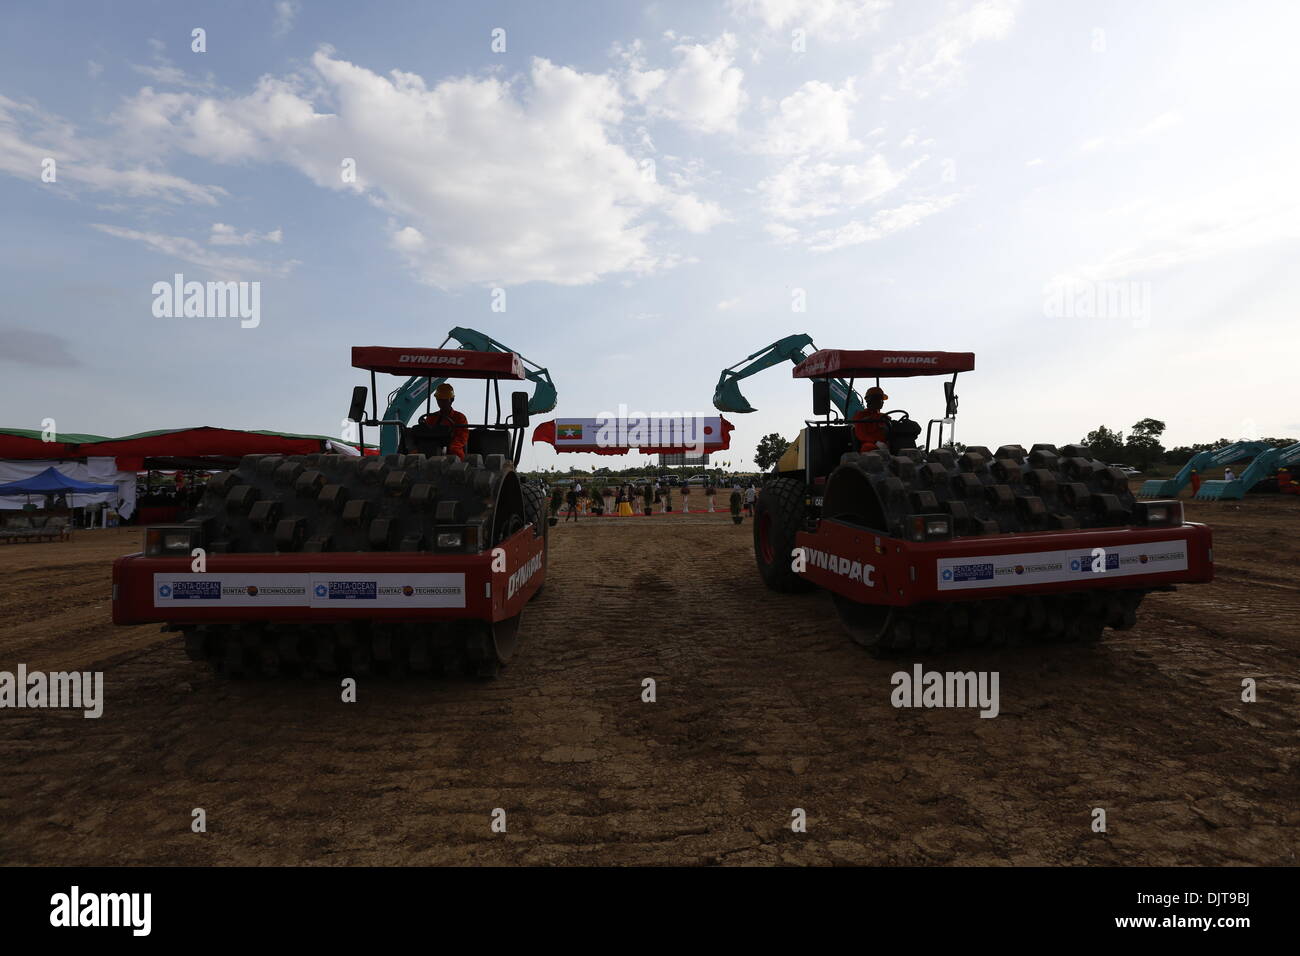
(764, 706)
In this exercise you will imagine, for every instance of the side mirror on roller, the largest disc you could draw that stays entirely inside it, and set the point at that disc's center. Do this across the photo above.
(821, 396)
(357, 412)
(519, 409)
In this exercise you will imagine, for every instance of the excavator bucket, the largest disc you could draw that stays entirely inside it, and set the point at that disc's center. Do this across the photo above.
(1159, 488)
(544, 396)
(727, 397)
(1215, 490)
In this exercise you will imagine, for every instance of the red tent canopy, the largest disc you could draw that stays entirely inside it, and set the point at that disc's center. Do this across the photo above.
(23, 443)
(873, 363)
(179, 443)
(20, 446)
(194, 443)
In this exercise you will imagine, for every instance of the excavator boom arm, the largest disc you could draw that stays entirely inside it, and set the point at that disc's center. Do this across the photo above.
(792, 348)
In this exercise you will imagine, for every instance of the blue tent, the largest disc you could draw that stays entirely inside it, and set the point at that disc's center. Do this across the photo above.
(52, 482)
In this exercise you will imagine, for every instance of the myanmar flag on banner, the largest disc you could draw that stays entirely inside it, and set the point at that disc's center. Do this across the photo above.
(568, 431)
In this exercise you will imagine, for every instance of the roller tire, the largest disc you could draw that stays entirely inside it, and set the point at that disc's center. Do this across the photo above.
(779, 513)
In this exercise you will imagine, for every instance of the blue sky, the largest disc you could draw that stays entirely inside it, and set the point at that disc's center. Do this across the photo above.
(650, 183)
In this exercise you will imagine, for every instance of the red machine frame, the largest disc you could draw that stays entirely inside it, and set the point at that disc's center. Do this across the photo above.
(906, 572)
(487, 593)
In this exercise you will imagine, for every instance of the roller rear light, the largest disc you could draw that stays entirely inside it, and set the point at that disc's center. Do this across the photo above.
(1159, 514)
(929, 527)
(171, 541)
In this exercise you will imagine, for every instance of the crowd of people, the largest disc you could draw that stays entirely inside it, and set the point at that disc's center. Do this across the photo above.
(166, 495)
(627, 499)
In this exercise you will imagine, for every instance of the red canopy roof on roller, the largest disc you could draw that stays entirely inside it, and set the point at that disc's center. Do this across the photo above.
(451, 363)
(873, 363)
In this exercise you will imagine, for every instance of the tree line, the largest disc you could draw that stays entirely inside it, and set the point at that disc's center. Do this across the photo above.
(1142, 447)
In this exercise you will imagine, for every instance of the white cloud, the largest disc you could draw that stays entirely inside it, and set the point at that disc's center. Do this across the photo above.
(94, 69)
(1162, 123)
(828, 19)
(285, 12)
(704, 91)
(884, 223)
(224, 235)
(28, 136)
(781, 232)
(1248, 213)
(803, 189)
(694, 214)
(495, 181)
(935, 59)
(166, 72)
(171, 76)
(181, 247)
(228, 130)
(1144, 135)
(816, 118)
(726, 305)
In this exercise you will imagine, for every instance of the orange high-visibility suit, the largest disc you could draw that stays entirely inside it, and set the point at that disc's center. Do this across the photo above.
(870, 426)
(459, 429)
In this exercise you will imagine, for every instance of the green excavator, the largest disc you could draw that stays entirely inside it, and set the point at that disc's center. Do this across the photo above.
(793, 349)
(405, 402)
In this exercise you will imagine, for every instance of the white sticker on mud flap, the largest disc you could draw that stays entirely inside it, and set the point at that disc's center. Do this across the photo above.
(387, 590)
(1039, 567)
(230, 590)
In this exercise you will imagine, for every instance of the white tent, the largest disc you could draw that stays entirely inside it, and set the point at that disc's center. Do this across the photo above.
(95, 470)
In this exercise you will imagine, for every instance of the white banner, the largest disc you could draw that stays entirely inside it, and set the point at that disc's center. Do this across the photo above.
(388, 590)
(230, 590)
(688, 432)
(1038, 567)
(348, 589)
